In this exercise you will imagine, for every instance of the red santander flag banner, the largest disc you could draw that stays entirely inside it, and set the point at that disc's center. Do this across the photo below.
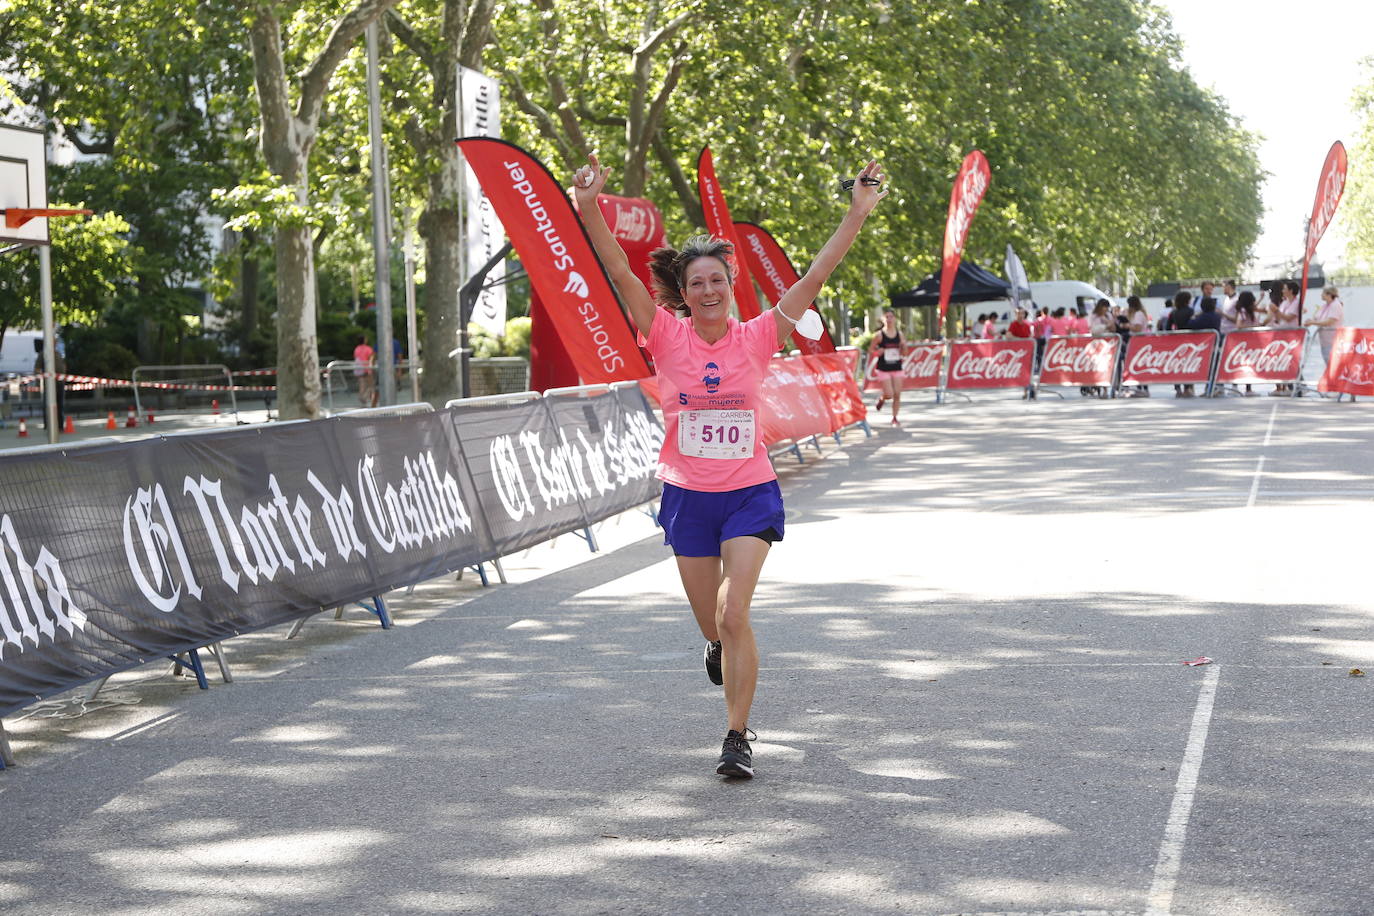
(562, 267)
(719, 224)
(990, 363)
(1330, 186)
(920, 365)
(776, 275)
(1079, 361)
(969, 187)
(1261, 356)
(1179, 358)
(1351, 368)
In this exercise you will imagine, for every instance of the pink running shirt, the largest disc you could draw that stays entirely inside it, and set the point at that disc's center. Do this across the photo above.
(716, 388)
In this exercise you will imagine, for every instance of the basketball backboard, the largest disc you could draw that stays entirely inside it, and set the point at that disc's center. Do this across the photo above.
(23, 183)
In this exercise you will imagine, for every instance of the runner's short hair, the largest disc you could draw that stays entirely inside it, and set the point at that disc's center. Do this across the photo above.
(667, 266)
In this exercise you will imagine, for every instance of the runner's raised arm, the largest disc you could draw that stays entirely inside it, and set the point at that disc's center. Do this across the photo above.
(587, 184)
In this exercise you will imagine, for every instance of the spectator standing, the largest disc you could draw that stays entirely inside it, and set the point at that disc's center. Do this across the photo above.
(1100, 324)
(1227, 307)
(1246, 316)
(989, 329)
(1181, 313)
(1020, 327)
(363, 357)
(1285, 315)
(1137, 322)
(1329, 317)
(1060, 325)
(1079, 323)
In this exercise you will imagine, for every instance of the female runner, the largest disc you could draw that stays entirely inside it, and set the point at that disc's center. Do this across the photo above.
(721, 508)
(887, 346)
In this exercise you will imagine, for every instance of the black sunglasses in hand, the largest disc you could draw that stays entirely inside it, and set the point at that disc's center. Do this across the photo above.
(847, 184)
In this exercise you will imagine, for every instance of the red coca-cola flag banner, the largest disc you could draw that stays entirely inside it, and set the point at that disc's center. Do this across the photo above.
(1330, 186)
(1080, 361)
(1351, 368)
(990, 363)
(1261, 356)
(719, 224)
(920, 365)
(834, 378)
(969, 187)
(637, 225)
(1176, 358)
(554, 248)
(771, 267)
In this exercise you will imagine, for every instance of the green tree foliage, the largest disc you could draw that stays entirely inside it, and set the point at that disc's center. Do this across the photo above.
(1357, 211)
(1103, 149)
(91, 266)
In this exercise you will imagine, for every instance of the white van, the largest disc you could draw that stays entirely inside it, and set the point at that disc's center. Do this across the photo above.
(1071, 295)
(17, 352)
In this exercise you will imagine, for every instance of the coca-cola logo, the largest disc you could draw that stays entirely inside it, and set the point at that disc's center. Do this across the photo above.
(1178, 359)
(923, 362)
(1083, 356)
(1000, 365)
(1277, 358)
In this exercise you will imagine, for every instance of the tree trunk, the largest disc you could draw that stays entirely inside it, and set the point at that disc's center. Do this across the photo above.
(439, 228)
(298, 358)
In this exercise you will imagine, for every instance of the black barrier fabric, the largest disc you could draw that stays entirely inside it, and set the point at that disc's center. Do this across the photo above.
(111, 556)
(545, 467)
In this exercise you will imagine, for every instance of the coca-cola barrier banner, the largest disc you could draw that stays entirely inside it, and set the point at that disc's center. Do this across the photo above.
(990, 363)
(773, 269)
(1170, 358)
(920, 365)
(115, 555)
(1351, 368)
(1260, 356)
(1079, 360)
(557, 255)
(719, 224)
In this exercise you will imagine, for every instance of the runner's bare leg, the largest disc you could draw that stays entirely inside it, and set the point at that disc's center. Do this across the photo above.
(701, 577)
(742, 559)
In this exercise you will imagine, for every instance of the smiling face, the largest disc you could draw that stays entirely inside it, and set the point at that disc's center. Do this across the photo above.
(706, 289)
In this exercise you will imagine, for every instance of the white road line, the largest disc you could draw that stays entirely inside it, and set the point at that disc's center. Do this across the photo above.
(1161, 897)
(1254, 484)
(1259, 468)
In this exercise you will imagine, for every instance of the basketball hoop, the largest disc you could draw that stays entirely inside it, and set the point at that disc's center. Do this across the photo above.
(18, 216)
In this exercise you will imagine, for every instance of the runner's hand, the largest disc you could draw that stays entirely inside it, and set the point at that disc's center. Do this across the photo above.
(868, 188)
(588, 181)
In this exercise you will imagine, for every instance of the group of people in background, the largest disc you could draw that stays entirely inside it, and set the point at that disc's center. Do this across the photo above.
(1187, 311)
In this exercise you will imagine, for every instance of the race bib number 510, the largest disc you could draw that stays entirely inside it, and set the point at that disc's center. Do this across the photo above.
(723, 434)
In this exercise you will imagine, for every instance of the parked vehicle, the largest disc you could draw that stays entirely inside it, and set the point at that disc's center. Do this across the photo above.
(17, 351)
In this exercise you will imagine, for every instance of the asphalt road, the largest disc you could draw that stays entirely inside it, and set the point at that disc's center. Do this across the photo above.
(972, 701)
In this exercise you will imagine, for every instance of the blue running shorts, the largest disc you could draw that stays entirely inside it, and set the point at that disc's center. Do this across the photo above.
(695, 523)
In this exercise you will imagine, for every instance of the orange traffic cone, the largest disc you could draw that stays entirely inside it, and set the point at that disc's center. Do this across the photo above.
(69, 426)
(23, 429)
(110, 421)
(214, 407)
(132, 421)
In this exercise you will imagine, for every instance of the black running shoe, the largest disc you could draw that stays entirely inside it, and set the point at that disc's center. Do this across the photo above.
(736, 757)
(713, 662)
